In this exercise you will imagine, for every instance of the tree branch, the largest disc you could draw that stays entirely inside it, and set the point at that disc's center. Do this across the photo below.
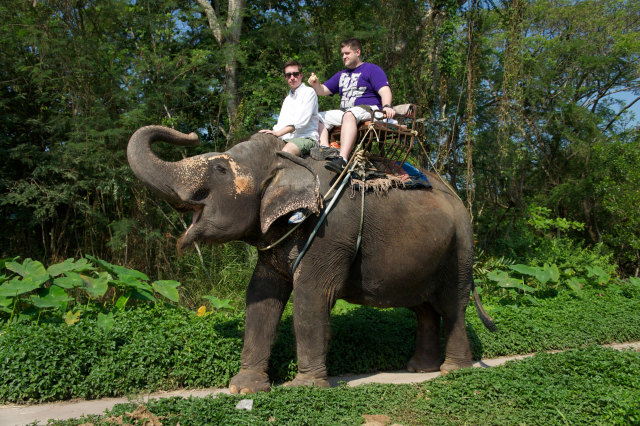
(620, 113)
(212, 17)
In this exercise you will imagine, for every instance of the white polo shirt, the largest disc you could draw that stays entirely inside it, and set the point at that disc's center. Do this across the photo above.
(300, 110)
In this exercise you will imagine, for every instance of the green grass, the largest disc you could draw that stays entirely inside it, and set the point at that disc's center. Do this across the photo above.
(162, 348)
(591, 385)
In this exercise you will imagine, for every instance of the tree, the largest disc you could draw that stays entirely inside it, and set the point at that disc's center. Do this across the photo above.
(228, 38)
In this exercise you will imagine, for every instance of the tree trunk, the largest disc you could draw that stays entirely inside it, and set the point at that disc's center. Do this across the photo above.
(228, 38)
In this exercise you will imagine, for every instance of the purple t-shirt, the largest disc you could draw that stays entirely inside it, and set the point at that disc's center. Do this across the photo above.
(358, 86)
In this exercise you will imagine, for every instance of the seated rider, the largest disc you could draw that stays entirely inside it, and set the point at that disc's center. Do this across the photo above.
(298, 120)
(363, 88)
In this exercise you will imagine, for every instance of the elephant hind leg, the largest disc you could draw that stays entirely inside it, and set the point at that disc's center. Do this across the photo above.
(428, 355)
(457, 348)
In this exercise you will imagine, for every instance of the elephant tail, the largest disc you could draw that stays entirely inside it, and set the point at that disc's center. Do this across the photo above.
(484, 317)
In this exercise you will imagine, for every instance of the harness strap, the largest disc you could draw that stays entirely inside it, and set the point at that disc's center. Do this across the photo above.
(320, 221)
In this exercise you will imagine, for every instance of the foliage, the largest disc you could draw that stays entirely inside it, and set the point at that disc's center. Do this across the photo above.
(157, 347)
(518, 102)
(222, 272)
(554, 261)
(30, 289)
(146, 348)
(586, 385)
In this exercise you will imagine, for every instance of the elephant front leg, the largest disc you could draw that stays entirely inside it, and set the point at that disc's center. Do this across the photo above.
(267, 296)
(427, 356)
(311, 312)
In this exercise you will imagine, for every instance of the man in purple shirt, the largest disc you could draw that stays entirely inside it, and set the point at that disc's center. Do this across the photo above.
(363, 88)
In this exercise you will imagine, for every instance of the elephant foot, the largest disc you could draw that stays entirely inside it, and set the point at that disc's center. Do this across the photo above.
(417, 365)
(249, 381)
(308, 380)
(449, 366)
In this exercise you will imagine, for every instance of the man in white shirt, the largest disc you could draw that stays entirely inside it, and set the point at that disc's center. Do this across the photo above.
(298, 120)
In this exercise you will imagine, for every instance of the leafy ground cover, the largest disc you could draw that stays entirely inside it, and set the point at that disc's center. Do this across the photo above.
(589, 385)
(164, 347)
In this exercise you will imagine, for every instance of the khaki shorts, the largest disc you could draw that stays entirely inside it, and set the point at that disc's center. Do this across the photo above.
(303, 144)
(333, 118)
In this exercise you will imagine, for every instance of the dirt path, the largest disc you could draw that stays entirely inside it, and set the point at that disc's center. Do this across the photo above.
(23, 414)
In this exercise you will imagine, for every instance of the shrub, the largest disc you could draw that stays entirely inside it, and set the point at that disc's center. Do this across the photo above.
(155, 347)
(30, 289)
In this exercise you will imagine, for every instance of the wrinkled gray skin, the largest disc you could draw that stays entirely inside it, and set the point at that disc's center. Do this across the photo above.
(416, 251)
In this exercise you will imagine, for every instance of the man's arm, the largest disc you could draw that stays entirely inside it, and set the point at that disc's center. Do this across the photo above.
(386, 97)
(278, 133)
(321, 89)
(306, 107)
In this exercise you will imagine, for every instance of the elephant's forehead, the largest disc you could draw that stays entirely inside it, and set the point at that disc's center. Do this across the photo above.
(189, 171)
(243, 180)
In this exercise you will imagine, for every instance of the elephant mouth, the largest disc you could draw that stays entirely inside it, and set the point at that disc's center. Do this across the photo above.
(189, 237)
(197, 213)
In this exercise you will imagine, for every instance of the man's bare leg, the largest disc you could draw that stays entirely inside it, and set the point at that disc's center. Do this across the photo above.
(292, 149)
(324, 134)
(348, 134)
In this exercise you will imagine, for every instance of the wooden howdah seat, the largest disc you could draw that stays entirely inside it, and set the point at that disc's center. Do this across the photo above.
(386, 142)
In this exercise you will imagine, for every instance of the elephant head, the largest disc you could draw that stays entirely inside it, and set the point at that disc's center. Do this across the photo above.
(234, 195)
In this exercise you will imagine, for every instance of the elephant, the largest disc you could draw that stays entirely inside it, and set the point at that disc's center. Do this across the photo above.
(416, 249)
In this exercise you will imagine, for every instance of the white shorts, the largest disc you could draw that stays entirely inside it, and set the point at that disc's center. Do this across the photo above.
(333, 118)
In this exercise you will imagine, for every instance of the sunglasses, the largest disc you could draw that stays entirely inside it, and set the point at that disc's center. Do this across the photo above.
(289, 74)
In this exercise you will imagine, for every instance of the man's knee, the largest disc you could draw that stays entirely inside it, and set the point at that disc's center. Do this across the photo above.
(348, 118)
(292, 149)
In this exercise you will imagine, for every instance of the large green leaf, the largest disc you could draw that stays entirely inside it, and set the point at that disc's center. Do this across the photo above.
(69, 265)
(597, 272)
(134, 282)
(122, 301)
(18, 286)
(542, 274)
(143, 295)
(504, 280)
(218, 304)
(71, 280)
(118, 270)
(28, 268)
(96, 287)
(121, 271)
(105, 321)
(525, 269)
(554, 272)
(3, 262)
(574, 284)
(53, 297)
(168, 289)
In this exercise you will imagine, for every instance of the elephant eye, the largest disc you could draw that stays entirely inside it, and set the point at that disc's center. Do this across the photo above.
(220, 168)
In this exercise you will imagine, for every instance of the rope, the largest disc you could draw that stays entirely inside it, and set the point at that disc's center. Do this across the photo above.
(320, 221)
(357, 160)
(270, 246)
(438, 174)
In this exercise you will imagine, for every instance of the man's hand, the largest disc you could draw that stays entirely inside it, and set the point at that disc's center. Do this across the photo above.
(385, 97)
(267, 131)
(313, 80)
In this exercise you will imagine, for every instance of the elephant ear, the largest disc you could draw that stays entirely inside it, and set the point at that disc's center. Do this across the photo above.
(293, 185)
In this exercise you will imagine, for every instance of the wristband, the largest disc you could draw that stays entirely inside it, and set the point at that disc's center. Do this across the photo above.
(386, 106)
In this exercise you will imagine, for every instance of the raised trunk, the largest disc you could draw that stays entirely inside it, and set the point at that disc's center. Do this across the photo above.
(169, 180)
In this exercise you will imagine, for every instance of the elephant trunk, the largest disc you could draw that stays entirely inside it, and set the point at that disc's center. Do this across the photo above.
(170, 180)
